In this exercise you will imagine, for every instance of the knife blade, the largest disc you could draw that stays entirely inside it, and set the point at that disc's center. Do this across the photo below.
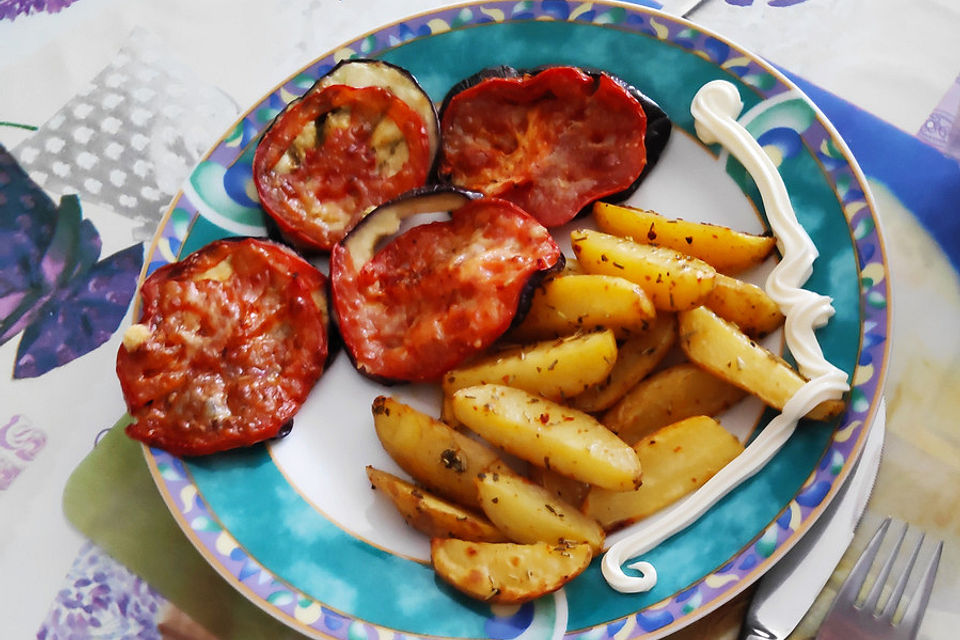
(788, 590)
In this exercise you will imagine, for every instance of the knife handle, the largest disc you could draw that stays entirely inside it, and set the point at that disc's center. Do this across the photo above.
(756, 634)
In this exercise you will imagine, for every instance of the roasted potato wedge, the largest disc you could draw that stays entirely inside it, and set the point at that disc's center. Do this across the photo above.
(674, 281)
(506, 572)
(676, 459)
(636, 358)
(548, 434)
(571, 304)
(728, 251)
(435, 455)
(432, 515)
(553, 368)
(678, 392)
(526, 512)
(721, 348)
(567, 489)
(746, 305)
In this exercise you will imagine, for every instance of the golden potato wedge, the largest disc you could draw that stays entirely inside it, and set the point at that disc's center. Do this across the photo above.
(728, 251)
(636, 358)
(553, 368)
(506, 572)
(526, 512)
(435, 455)
(548, 434)
(746, 305)
(431, 514)
(678, 392)
(673, 280)
(676, 459)
(570, 304)
(721, 348)
(567, 489)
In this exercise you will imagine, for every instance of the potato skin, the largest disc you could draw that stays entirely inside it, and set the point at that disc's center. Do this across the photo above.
(437, 456)
(504, 572)
(430, 514)
(637, 356)
(673, 394)
(722, 349)
(548, 434)
(677, 460)
(554, 369)
(746, 305)
(527, 512)
(569, 304)
(673, 280)
(727, 250)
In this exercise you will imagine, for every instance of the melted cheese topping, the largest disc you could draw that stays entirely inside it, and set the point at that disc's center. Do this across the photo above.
(135, 336)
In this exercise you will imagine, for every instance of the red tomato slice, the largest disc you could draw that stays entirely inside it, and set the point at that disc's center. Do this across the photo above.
(551, 143)
(439, 292)
(334, 155)
(230, 341)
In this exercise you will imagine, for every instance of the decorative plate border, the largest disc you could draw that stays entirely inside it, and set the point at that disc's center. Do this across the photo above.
(302, 612)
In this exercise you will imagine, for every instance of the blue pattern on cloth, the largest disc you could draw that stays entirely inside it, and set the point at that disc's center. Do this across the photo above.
(924, 179)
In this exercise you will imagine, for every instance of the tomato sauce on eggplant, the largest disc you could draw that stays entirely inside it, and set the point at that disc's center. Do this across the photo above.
(439, 292)
(230, 341)
(551, 141)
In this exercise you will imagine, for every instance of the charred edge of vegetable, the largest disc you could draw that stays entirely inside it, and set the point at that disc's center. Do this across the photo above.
(655, 138)
(284, 430)
(502, 71)
(528, 291)
(656, 135)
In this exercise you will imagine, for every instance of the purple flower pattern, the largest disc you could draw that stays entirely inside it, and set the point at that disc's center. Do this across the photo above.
(53, 286)
(10, 9)
(102, 599)
(20, 442)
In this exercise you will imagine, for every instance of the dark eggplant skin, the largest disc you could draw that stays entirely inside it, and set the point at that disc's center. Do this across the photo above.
(408, 200)
(337, 75)
(656, 136)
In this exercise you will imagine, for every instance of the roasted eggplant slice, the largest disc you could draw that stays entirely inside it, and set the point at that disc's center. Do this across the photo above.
(363, 135)
(438, 292)
(231, 340)
(551, 140)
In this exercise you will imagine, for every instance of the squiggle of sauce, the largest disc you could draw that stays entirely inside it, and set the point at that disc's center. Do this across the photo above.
(715, 109)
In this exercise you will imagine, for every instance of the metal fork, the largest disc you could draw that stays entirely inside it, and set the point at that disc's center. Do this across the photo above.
(847, 620)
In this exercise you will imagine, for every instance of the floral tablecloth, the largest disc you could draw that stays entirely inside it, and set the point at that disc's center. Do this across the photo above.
(137, 91)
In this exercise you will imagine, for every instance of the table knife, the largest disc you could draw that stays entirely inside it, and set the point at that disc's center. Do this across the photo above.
(788, 590)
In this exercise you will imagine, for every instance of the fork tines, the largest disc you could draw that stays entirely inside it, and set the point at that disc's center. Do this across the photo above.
(846, 613)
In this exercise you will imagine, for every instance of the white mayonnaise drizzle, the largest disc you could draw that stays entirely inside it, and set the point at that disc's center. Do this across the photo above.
(715, 109)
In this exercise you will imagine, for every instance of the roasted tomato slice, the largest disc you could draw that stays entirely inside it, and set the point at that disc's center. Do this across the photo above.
(230, 341)
(335, 154)
(551, 142)
(438, 292)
